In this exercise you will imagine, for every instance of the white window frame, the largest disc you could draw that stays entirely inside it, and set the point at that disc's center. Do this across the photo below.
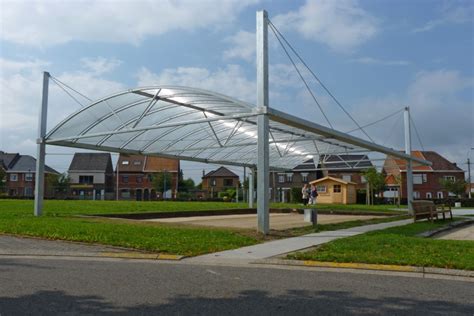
(125, 162)
(346, 176)
(29, 177)
(304, 177)
(289, 177)
(416, 194)
(281, 178)
(321, 188)
(451, 178)
(417, 178)
(439, 195)
(14, 177)
(429, 195)
(363, 179)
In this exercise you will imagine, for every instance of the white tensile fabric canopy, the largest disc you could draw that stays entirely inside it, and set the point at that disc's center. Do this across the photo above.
(199, 125)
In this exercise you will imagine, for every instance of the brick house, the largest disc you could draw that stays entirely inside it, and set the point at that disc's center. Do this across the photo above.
(135, 177)
(218, 180)
(281, 182)
(346, 167)
(91, 176)
(426, 179)
(20, 173)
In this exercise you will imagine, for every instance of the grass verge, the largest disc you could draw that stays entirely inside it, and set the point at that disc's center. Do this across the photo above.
(398, 246)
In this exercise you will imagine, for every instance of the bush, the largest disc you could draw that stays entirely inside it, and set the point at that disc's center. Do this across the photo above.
(296, 196)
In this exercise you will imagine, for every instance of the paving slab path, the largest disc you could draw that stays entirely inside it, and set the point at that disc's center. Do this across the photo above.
(283, 246)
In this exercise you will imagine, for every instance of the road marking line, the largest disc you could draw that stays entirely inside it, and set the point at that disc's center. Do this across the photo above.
(137, 255)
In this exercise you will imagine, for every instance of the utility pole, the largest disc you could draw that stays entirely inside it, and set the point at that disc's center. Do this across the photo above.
(118, 179)
(409, 161)
(164, 183)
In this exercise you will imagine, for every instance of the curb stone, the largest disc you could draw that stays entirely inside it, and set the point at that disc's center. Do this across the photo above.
(367, 266)
(448, 227)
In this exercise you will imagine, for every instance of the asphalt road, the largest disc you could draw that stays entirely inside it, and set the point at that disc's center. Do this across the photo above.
(35, 286)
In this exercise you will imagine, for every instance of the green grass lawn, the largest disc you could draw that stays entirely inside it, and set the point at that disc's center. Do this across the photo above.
(397, 245)
(60, 221)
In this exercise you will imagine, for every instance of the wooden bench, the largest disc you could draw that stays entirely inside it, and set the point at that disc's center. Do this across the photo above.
(427, 209)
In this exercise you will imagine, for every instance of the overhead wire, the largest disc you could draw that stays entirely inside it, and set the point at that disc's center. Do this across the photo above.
(274, 29)
(417, 134)
(377, 121)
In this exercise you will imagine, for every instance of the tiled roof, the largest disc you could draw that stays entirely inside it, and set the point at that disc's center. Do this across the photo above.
(307, 165)
(158, 164)
(26, 163)
(220, 172)
(7, 160)
(91, 162)
(438, 162)
(131, 163)
(345, 162)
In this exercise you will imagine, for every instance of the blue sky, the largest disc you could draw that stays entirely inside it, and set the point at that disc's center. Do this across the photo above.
(375, 56)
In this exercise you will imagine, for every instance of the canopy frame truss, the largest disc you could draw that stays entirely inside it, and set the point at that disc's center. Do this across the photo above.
(198, 125)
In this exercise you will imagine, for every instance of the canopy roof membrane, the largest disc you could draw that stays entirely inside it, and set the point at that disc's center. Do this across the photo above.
(198, 125)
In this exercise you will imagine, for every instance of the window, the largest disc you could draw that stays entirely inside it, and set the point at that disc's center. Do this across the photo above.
(28, 191)
(363, 179)
(416, 194)
(429, 195)
(289, 177)
(28, 177)
(13, 177)
(321, 188)
(213, 182)
(417, 179)
(304, 177)
(346, 177)
(425, 178)
(86, 179)
(228, 182)
(439, 195)
(139, 179)
(337, 188)
(125, 179)
(450, 178)
(125, 162)
(125, 194)
(137, 162)
(281, 178)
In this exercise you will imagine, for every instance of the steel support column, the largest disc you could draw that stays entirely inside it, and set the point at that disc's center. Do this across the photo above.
(262, 122)
(409, 167)
(251, 186)
(41, 148)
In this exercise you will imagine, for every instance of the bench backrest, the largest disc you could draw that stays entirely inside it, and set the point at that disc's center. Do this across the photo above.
(422, 206)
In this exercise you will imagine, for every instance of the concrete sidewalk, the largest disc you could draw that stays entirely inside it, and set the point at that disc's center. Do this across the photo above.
(283, 246)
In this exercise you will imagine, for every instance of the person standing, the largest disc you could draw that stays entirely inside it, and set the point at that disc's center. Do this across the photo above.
(305, 194)
(313, 194)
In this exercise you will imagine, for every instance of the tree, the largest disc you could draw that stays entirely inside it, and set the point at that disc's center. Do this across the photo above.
(186, 185)
(58, 182)
(456, 186)
(3, 179)
(375, 181)
(162, 182)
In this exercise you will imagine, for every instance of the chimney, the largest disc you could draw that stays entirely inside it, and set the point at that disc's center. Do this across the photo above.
(203, 172)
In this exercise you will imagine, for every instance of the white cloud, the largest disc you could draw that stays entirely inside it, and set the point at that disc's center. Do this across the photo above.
(375, 61)
(341, 25)
(243, 46)
(440, 108)
(48, 22)
(100, 65)
(230, 80)
(20, 88)
(450, 14)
